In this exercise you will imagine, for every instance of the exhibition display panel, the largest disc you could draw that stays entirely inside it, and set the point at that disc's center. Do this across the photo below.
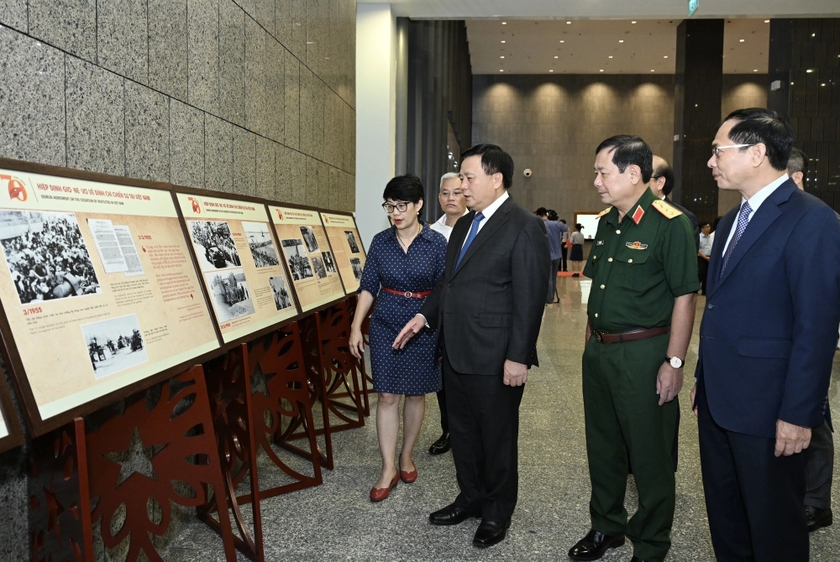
(348, 251)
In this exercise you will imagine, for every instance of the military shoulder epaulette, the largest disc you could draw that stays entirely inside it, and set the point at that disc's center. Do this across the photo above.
(604, 212)
(666, 209)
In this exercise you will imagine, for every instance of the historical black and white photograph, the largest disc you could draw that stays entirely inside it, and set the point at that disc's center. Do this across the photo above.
(309, 237)
(213, 244)
(230, 295)
(357, 268)
(114, 345)
(298, 259)
(318, 266)
(282, 298)
(351, 241)
(47, 256)
(329, 263)
(261, 244)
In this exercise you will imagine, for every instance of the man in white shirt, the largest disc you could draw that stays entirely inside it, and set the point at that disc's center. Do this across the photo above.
(454, 206)
(704, 254)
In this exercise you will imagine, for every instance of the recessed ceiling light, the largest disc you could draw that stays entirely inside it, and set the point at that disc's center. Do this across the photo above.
(621, 40)
(501, 70)
(610, 56)
(810, 70)
(557, 56)
(602, 70)
(823, 84)
(502, 56)
(634, 21)
(755, 70)
(568, 23)
(551, 70)
(503, 41)
(740, 40)
(652, 70)
(562, 41)
(504, 23)
(665, 57)
(766, 21)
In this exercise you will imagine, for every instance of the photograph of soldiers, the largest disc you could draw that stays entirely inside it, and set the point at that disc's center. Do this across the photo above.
(214, 245)
(230, 294)
(309, 237)
(282, 299)
(114, 345)
(47, 256)
(260, 243)
(351, 240)
(357, 267)
(318, 266)
(298, 261)
(328, 262)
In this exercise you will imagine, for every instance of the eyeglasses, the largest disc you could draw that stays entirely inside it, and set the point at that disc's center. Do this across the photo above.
(456, 193)
(400, 206)
(716, 150)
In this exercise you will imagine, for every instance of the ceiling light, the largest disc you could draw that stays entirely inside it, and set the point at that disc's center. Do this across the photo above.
(813, 35)
(562, 41)
(610, 56)
(665, 57)
(633, 22)
(557, 56)
(755, 70)
(652, 70)
(621, 40)
(502, 56)
(503, 41)
(766, 21)
(810, 70)
(501, 70)
(740, 40)
(504, 23)
(602, 70)
(823, 84)
(568, 23)
(551, 70)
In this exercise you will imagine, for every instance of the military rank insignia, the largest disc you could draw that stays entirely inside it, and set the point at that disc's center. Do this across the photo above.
(636, 245)
(669, 211)
(638, 214)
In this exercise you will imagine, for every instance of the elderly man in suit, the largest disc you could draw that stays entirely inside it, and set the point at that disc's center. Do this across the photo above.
(767, 342)
(488, 309)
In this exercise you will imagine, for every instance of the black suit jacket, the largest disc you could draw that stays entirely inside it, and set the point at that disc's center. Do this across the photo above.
(490, 308)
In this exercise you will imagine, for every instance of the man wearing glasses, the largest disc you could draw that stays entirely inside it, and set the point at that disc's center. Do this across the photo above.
(454, 207)
(767, 342)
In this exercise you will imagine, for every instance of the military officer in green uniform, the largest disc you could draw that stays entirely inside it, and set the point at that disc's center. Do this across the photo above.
(643, 268)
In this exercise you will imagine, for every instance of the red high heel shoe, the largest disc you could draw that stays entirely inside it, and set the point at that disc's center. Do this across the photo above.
(379, 494)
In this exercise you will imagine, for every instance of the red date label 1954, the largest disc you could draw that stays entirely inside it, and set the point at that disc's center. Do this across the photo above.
(32, 310)
(224, 326)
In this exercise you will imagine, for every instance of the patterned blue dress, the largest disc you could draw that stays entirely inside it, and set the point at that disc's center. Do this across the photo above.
(411, 370)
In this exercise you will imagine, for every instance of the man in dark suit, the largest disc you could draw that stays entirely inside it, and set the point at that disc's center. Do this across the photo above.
(767, 342)
(487, 309)
(662, 184)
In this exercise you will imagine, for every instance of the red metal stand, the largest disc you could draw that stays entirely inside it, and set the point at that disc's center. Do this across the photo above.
(352, 302)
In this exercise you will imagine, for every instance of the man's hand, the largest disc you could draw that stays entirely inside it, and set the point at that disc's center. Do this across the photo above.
(409, 331)
(791, 439)
(694, 399)
(515, 373)
(669, 382)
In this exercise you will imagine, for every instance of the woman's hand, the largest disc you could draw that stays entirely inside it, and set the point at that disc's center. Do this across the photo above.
(357, 343)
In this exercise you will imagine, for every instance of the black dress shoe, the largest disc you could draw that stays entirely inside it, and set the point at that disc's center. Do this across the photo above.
(440, 446)
(449, 515)
(594, 545)
(490, 533)
(818, 518)
(635, 559)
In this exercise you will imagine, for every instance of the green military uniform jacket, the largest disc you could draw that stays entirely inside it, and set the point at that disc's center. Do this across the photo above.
(640, 265)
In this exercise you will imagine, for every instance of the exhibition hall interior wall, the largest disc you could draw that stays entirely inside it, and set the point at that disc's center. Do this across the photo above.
(250, 97)
(552, 125)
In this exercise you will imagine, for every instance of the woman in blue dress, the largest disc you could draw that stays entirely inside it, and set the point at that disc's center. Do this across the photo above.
(402, 267)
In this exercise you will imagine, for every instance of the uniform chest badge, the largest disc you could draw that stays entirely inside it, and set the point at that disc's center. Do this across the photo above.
(636, 245)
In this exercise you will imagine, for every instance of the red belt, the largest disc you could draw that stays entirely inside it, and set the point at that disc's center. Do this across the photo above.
(630, 335)
(408, 294)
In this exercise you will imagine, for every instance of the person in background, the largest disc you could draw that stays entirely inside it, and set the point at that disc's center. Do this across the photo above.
(576, 257)
(563, 248)
(662, 183)
(403, 265)
(703, 255)
(454, 207)
(555, 240)
(819, 470)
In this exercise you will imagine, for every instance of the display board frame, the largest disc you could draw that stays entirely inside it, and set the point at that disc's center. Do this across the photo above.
(8, 417)
(272, 207)
(350, 288)
(215, 196)
(14, 361)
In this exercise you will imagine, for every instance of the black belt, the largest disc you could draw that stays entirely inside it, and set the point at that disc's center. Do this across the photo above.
(630, 335)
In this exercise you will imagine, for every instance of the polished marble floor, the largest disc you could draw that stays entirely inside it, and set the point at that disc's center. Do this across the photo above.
(336, 521)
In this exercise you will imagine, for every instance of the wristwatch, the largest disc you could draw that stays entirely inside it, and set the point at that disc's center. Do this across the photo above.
(675, 362)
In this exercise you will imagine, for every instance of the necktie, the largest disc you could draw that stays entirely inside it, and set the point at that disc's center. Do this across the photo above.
(743, 221)
(470, 237)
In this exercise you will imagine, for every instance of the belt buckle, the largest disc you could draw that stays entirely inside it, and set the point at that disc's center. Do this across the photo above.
(598, 337)
(408, 294)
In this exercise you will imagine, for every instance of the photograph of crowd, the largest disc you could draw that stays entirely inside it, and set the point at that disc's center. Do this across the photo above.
(213, 244)
(230, 294)
(328, 262)
(114, 345)
(46, 255)
(318, 266)
(357, 268)
(351, 241)
(296, 256)
(309, 237)
(261, 244)
(282, 299)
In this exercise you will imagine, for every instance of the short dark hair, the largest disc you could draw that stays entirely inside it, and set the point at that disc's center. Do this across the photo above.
(541, 212)
(494, 160)
(664, 170)
(797, 162)
(551, 214)
(759, 125)
(627, 150)
(563, 221)
(404, 188)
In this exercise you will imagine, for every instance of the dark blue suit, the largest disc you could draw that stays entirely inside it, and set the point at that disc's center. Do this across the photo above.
(767, 342)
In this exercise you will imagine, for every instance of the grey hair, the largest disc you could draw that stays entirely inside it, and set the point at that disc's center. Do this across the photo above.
(449, 176)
